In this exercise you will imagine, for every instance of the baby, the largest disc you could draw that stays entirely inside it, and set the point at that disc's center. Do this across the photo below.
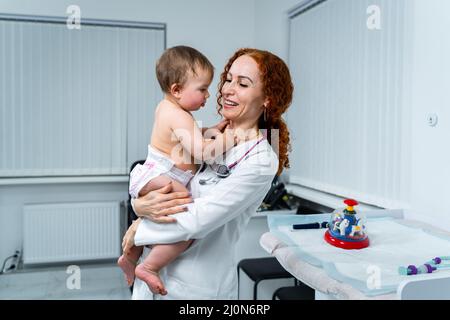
(176, 147)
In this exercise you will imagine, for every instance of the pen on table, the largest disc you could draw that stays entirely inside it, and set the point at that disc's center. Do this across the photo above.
(315, 225)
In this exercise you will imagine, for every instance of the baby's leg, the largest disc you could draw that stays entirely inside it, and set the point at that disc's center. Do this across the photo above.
(162, 181)
(128, 263)
(160, 256)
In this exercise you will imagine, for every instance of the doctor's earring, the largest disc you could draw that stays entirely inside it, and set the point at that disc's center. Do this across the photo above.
(265, 114)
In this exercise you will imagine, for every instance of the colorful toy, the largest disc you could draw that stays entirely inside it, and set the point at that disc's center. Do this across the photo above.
(427, 267)
(346, 229)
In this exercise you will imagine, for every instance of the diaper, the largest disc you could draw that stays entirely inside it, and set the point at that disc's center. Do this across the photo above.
(155, 165)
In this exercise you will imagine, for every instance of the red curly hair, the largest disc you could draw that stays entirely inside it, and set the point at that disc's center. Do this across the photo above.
(278, 88)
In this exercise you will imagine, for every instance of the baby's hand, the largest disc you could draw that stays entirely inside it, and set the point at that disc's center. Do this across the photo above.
(214, 131)
(221, 125)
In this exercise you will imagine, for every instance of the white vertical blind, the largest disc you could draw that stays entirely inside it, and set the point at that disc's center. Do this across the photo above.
(75, 102)
(350, 116)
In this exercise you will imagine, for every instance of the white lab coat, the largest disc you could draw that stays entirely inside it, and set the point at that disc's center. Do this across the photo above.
(216, 218)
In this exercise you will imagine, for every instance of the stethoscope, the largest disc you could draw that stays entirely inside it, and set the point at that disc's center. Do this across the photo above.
(223, 171)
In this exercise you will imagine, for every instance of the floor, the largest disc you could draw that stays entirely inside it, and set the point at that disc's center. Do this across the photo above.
(89, 282)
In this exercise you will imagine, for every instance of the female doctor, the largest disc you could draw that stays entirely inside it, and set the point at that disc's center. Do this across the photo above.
(255, 89)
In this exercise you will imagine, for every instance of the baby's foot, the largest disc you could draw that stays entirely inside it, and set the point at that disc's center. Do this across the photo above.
(151, 278)
(127, 266)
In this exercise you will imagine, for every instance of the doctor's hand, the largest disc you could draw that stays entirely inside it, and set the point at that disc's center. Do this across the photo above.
(128, 238)
(157, 205)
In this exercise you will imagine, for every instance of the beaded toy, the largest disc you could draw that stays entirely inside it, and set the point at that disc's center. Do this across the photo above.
(427, 267)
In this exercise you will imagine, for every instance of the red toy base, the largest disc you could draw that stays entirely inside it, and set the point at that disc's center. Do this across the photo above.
(345, 244)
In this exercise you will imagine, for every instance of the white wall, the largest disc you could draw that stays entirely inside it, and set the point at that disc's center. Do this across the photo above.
(430, 94)
(271, 25)
(216, 28)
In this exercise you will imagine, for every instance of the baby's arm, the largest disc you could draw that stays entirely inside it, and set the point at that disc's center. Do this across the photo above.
(191, 139)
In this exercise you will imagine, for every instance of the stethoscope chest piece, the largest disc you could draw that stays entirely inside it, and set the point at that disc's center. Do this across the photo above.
(223, 171)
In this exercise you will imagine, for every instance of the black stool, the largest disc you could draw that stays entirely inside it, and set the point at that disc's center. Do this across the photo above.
(301, 292)
(259, 269)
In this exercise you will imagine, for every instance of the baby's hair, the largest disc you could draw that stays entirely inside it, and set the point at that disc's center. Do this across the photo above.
(176, 63)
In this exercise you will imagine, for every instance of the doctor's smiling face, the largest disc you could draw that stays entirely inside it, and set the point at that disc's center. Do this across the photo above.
(255, 90)
(242, 93)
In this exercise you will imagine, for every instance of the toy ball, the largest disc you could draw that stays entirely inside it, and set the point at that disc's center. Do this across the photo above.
(346, 229)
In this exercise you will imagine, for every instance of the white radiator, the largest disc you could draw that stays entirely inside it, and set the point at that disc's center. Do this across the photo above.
(71, 232)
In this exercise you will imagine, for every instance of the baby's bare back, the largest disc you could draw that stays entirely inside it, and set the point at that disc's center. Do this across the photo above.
(167, 118)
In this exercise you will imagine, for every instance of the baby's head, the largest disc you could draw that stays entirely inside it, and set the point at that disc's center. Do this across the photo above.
(185, 74)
